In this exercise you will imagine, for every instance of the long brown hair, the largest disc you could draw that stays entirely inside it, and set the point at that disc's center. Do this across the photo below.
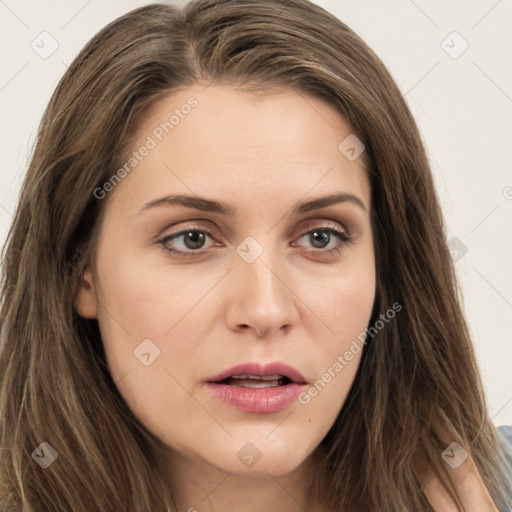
(55, 384)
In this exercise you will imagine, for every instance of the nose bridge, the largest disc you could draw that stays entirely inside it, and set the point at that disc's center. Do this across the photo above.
(262, 298)
(262, 277)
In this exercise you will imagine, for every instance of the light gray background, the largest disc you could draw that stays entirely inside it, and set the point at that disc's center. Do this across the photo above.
(463, 106)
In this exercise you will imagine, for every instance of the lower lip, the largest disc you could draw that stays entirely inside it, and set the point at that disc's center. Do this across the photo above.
(271, 399)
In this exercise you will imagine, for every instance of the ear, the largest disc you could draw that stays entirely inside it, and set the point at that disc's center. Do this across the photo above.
(86, 304)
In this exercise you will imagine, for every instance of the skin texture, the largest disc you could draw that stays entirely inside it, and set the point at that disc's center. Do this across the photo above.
(263, 153)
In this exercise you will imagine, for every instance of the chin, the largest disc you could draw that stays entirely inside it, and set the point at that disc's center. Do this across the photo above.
(261, 458)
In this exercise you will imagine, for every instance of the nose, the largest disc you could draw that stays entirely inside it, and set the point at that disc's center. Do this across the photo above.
(262, 298)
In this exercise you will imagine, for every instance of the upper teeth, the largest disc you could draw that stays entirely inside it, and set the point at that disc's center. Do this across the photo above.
(268, 377)
(253, 381)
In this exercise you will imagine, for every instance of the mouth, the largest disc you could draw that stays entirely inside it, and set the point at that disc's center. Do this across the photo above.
(252, 387)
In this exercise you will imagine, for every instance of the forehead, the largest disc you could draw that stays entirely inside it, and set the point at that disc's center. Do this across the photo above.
(224, 140)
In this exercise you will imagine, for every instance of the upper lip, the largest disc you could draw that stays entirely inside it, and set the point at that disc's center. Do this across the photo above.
(260, 370)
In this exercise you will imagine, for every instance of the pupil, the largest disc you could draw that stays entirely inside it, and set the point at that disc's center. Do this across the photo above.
(194, 239)
(323, 237)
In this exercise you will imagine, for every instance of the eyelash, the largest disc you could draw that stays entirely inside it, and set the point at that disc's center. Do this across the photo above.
(343, 238)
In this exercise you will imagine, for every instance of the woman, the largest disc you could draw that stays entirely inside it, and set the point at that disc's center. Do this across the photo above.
(227, 287)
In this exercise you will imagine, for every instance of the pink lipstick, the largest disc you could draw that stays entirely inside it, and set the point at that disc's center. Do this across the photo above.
(252, 387)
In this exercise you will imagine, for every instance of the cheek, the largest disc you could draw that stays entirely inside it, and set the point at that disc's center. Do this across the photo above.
(345, 301)
(142, 300)
(149, 321)
(345, 308)
(134, 308)
(353, 304)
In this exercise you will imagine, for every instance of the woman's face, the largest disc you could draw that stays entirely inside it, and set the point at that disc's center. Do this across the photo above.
(216, 252)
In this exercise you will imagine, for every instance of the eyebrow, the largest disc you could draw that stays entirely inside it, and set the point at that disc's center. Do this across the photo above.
(222, 208)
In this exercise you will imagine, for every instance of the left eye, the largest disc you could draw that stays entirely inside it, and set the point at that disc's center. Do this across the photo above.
(321, 237)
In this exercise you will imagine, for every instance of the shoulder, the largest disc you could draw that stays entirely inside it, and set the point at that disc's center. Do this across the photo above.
(505, 439)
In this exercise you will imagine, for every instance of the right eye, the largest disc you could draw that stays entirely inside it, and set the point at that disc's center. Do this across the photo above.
(192, 240)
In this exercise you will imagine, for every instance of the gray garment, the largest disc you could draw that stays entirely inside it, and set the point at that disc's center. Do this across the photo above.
(505, 437)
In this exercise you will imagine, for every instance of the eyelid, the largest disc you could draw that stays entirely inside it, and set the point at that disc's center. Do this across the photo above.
(199, 225)
(342, 235)
(205, 225)
(324, 224)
